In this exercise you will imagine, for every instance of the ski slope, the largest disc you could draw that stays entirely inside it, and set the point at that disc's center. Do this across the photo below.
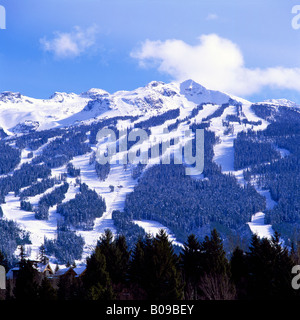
(19, 113)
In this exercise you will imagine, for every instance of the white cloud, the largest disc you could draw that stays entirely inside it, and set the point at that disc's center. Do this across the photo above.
(70, 44)
(212, 16)
(216, 63)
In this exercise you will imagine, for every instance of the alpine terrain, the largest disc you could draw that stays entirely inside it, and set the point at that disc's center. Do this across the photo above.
(54, 193)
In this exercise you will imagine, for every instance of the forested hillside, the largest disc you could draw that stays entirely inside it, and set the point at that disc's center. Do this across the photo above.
(153, 271)
(53, 192)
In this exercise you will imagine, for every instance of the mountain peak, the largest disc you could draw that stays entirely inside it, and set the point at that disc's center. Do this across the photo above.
(154, 84)
(197, 93)
(94, 93)
(61, 96)
(281, 102)
(8, 96)
(191, 85)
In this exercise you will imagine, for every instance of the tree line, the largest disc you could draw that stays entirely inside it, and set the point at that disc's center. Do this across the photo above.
(153, 271)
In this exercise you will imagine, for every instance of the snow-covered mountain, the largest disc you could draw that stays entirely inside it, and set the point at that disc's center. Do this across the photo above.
(68, 108)
(281, 102)
(27, 120)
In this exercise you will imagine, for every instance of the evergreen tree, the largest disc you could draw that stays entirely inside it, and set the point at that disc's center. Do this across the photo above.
(190, 260)
(215, 281)
(212, 255)
(72, 171)
(136, 270)
(26, 206)
(96, 280)
(190, 257)
(238, 264)
(270, 267)
(116, 254)
(27, 282)
(122, 259)
(239, 271)
(42, 212)
(137, 263)
(282, 269)
(22, 254)
(163, 276)
(42, 254)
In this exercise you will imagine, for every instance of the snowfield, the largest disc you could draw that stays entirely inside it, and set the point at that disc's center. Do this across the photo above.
(38, 229)
(18, 113)
(153, 227)
(258, 226)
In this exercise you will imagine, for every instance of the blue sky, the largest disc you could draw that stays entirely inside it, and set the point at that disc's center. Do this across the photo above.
(247, 48)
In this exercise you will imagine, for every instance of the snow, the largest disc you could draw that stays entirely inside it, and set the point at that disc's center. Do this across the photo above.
(38, 228)
(63, 109)
(283, 152)
(207, 110)
(123, 183)
(251, 116)
(46, 113)
(281, 102)
(224, 157)
(224, 153)
(119, 177)
(153, 227)
(198, 94)
(258, 226)
(270, 203)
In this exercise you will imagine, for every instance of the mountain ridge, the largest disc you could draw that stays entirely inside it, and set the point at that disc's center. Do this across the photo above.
(52, 140)
(153, 97)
